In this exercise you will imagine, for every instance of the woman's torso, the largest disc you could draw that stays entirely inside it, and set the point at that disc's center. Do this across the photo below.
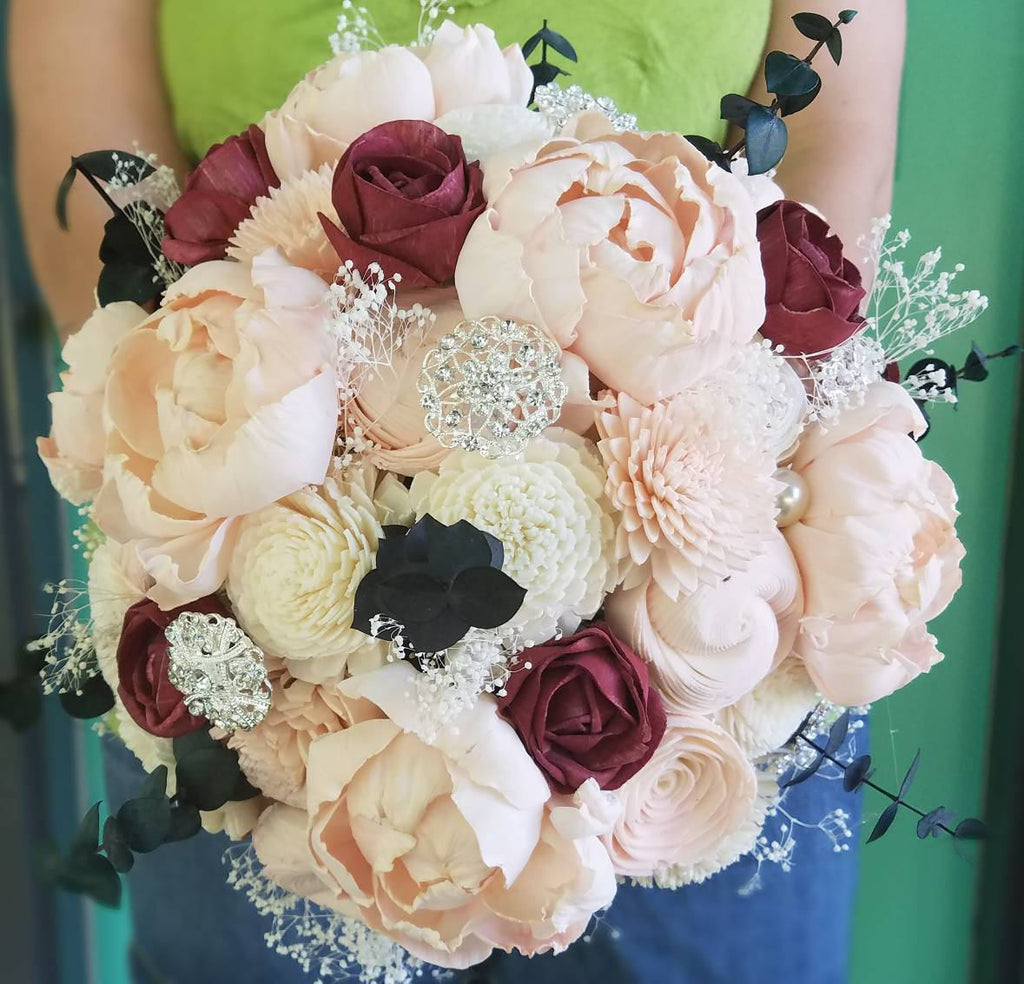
(227, 62)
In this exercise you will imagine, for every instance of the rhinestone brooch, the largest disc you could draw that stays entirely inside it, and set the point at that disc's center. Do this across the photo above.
(218, 670)
(491, 385)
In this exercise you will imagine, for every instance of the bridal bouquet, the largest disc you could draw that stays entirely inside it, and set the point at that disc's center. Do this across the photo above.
(487, 504)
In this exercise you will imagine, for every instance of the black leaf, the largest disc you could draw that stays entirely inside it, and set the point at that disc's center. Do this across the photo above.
(837, 733)
(736, 108)
(126, 282)
(94, 701)
(857, 773)
(451, 549)
(116, 846)
(86, 839)
(970, 828)
(146, 823)
(834, 43)
(62, 195)
(185, 822)
(154, 785)
(208, 777)
(530, 44)
(101, 165)
(193, 741)
(788, 105)
(437, 582)
(545, 73)
(21, 701)
(805, 773)
(976, 365)
(122, 242)
(244, 790)
(93, 876)
(767, 139)
(787, 75)
(847, 15)
(931, 824)
(813, 26)
(417, 595)
(908, 779)
(711, 149)
(486, 597)
(884, 822)
(558, 42)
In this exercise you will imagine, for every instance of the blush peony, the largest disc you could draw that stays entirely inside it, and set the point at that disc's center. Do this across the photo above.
(877, 549)
(356, 91)
(446, 848)
(695, 794)
(631, 250)
(73, 453)
(549, 511)
(274, 754)
(218, 404)
(710, 648)
(294, 571)
(696, 498)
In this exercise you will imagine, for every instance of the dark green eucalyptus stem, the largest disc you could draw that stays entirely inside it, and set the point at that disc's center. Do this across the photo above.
(867, 782)
(775, 105)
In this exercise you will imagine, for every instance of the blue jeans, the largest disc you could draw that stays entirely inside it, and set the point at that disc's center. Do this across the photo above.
(191, 928)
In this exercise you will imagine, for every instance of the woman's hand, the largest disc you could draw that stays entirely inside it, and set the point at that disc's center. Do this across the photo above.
(84, 76)
(843, 146)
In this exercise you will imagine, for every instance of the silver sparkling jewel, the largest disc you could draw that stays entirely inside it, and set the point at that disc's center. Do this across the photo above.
(218, 670)
(491, 385)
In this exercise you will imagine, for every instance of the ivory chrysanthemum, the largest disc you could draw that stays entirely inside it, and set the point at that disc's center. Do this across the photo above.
(295, 569)
(288, 219)
(696, 500)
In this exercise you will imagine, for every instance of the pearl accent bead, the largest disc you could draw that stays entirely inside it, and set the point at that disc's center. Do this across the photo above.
(793, 499)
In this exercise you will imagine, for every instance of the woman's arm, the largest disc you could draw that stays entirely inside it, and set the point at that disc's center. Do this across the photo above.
(843, 146)
(84, 76)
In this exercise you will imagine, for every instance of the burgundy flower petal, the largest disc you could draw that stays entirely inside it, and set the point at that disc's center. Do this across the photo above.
(813, 293)
(406, 198)
(585, 709)
(148, 696)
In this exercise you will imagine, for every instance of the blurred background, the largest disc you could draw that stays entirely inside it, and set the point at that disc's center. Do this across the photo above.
(930, 911)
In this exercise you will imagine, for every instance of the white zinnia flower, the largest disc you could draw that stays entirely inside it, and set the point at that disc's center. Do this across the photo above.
(548, 508)
(295, 569)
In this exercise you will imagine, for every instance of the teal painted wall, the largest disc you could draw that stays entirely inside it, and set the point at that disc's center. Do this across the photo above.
(957, 185)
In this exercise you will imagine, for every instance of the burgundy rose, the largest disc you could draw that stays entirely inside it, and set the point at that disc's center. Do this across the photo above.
(218, 197)
(584, 709)
(406, 197)
(149, 697)
(813, 293)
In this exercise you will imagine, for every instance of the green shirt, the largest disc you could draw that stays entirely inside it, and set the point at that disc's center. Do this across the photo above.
(669, 62)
